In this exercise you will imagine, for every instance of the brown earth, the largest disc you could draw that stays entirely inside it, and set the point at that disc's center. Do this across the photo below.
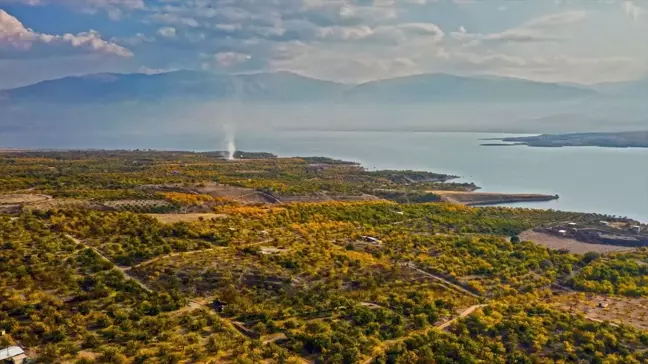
(20, 198)
(574, 246)
(489, 198)
(617, 310)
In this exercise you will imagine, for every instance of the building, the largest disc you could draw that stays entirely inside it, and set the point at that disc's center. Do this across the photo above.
(562, 232)
(371, 239)
(13, 355)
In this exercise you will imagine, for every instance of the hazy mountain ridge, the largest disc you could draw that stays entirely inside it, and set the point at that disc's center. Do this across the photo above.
(287, 86)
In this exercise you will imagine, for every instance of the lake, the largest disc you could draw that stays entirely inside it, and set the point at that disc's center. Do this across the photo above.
(589, 179)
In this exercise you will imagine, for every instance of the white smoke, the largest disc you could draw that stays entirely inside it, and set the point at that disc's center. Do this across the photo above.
(230, 141)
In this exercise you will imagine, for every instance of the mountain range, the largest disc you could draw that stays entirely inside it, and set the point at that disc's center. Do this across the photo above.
(288, 87)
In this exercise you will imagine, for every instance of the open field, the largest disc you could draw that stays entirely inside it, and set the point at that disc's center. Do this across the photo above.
(489, 198)
(574, 246)
(618, 310)
(16, 198)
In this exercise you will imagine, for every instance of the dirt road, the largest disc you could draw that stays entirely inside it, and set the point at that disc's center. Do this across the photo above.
(123, 270)
(467, 312)
(440, 279)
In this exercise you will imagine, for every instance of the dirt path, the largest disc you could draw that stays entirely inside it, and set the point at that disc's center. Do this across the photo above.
(467, 312)
(176, 254)
(123, 270)
(171, 255)
(440, 279)
(276, 200)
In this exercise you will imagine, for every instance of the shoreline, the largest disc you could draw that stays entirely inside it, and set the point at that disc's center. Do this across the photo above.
(490, 198)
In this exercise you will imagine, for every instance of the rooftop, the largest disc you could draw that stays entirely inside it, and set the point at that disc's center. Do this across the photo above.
(10, 352)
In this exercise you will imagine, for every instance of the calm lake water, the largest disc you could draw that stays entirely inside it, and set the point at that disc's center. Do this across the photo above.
(589, 179)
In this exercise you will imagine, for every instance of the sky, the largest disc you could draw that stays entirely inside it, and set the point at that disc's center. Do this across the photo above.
(570, 41)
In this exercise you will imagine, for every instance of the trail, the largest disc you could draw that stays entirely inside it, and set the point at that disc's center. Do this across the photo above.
(176, 254)
(259, 193)
(467, 312)
(123, 270)
(440, 279)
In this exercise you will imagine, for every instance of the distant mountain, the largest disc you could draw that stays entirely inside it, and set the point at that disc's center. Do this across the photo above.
(444, 87)
(629, 89)
(286, 86)
(179, 84)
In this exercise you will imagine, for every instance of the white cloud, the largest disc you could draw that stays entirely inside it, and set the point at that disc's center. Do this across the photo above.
(344, 33)
(114, 8)
(509, 36)
(393, 34)
(557, 19)
(173, 19)
(133, 41)
(540, 29)
(228, 59)
(16, 41)
(167, 32)
(633, 10)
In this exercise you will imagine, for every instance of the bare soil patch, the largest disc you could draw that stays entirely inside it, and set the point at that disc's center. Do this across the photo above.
(173, 218)
(19, 198)
(57, 203)
(489, 198)
(574, 246)
(618, 310)
(240, 194)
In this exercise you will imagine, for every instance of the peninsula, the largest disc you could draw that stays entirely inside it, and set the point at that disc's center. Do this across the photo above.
(635, 139)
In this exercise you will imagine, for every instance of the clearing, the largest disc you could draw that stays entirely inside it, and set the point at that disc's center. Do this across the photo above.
(574, 246)
(599, 308)
(20, 198)
(489, 198)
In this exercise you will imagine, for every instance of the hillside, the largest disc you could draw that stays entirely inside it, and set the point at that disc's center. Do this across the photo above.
(444, 87)
(139, 257)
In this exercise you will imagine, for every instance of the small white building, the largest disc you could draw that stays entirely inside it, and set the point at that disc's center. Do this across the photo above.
(13, 355)
(371, 239)
(572, 224)
(562, 232)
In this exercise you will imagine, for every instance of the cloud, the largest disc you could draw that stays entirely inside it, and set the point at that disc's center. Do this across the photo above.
(228, 59)
(509, 36)
(16, 41)
(114, 8)
(632, 10)
(167, 32)
(133, 41)
(393, 34)
(557, 19)
(537, 30)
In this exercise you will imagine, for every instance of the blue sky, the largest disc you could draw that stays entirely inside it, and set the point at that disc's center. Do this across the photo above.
(351, 41)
